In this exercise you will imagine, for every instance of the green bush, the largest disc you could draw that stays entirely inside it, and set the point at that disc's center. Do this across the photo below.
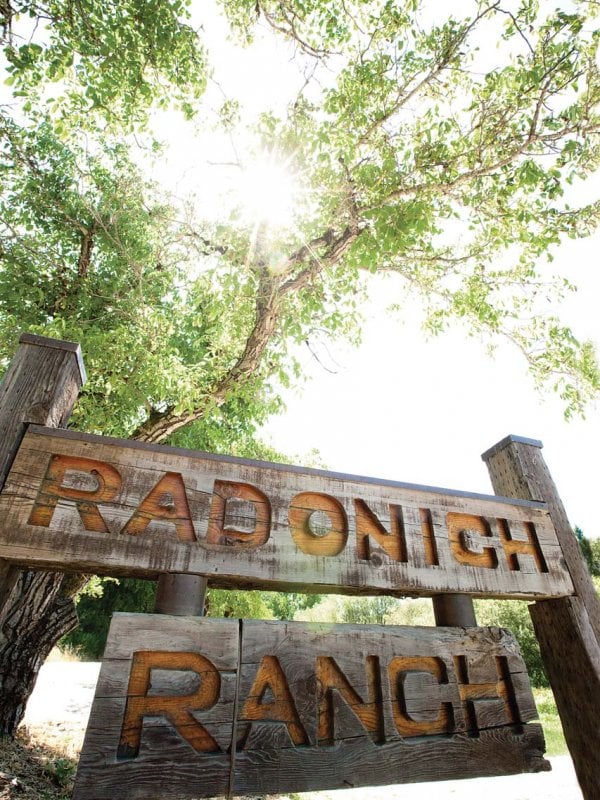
(95, 607)
(514, 615)
(237, 603)
(368, 610)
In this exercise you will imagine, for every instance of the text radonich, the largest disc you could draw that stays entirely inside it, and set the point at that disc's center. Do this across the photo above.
(88, 503)
(167, 502)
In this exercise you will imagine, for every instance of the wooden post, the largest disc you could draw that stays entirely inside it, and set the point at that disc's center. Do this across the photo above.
(454, 611)
(181, 595)
(40, 386)
(568, 629)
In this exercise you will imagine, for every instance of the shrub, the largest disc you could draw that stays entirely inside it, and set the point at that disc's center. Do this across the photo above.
(514, 615)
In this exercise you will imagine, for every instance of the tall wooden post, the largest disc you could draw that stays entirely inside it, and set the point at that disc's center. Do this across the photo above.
(568, 629)
(40, 386)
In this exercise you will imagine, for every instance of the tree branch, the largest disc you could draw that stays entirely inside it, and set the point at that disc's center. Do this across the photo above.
(270, 295)
(85, 251)
(446, 187)
(439, 66)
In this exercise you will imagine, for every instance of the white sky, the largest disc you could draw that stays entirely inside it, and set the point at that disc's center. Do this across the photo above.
(407, 409)
(401, 407)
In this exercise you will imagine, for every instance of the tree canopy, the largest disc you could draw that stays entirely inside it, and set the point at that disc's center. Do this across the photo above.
(440, 148)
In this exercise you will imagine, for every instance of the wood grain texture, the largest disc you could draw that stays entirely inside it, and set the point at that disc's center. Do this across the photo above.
(161, 725)
(572, 660)
(195, 707)
(517, 469)
(40, 386)
(568, 629)
(81, 502)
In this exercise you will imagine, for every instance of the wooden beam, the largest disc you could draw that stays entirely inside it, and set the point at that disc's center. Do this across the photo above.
(110, 506)
(198, 707)
(40, 386)
(517, 469)
(572, 660)
(567, 628)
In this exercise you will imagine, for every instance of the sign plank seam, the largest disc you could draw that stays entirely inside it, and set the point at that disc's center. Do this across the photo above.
(300, 706)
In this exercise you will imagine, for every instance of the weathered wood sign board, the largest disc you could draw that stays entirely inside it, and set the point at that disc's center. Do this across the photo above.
(89, 503)
(193, 707)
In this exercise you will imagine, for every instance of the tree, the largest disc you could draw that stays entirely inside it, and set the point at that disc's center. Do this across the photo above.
(113, 60)
(590, 550)
(96, 604)
(369, 610)
(418, 154)
(514, 615)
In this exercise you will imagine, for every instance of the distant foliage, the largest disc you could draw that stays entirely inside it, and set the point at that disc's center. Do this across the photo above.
(258, 605)
(412, 611)
(514, 615)
(368, 610)
(285, 605)
(590, 549)
(95, 609)
(238, 604)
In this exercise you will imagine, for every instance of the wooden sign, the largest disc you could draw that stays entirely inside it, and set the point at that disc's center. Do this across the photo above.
(197, 707)
(78, 502)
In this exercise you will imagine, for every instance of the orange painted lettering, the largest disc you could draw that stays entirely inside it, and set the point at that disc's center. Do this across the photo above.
(72, 470)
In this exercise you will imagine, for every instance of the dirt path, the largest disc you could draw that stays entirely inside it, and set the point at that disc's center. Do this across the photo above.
(60, 708)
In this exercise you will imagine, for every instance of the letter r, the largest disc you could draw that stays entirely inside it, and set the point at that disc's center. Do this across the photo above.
(108, 484)
(177, 709)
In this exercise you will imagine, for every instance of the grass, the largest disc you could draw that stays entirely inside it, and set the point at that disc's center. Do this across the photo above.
(555, 741)
(30, 769)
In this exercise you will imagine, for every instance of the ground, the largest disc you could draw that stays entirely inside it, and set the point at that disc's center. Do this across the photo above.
(40, 763)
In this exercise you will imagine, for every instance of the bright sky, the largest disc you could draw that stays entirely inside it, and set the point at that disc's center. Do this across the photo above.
(401, 407)
(407, 409)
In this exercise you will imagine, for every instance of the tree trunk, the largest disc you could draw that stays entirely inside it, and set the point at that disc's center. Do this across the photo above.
(34, 618)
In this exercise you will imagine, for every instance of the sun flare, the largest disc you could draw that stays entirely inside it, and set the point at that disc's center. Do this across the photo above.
(268, 192)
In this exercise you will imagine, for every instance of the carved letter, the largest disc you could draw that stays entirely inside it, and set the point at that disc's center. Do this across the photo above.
(107, 484)
(370, 713)
(486, 691)
(515, 547)
(467, 534)
(166, 501)
(270, 681)
(428, 533)
(177, 709)
(318, 524)
(367, 524)
(419, 690)
(255, 505)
